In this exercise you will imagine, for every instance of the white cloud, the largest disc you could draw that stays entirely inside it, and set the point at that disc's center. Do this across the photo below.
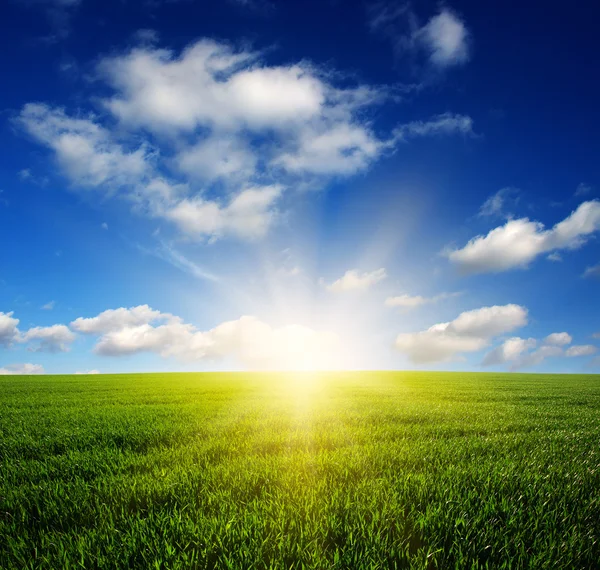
(49, 306)
(104, 226)
(495, 205)
(445, 38)
(469, 332)
(518, 242)
(209, 84)
(538, 356)
(510, 350)
(353, 280)
(8, 328)
(250, 341)
(581, 350)
(558, 339)
(444, 124)
(117, 319)
(413, 301)
(222, 157)
(55, 338)
(343, 149)
(83, 149)
(554, 256)
(596, 335)
(519, 353)
(210, 137)
(21, 369)
(592, 271)
(249, 215)
(88, 372)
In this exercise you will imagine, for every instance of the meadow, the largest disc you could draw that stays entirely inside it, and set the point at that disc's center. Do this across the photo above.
(339, 470)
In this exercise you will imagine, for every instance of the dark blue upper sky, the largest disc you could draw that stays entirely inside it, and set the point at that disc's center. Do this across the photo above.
(298, 184)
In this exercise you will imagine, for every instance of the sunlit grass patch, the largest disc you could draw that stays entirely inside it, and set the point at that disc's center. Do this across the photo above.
(345, 470)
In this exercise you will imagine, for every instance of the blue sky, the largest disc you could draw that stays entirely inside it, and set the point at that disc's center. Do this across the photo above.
(258, 184)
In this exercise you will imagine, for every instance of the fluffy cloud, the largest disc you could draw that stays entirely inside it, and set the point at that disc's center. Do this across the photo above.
(22, 369)
(84, 150)
(249, 215)
(445, 37)
(117, 319)
(55, 338)
(558, 339)
(342, 149)
(469, 332)
(221, 157)
(519, 353)
(518, 242)
(414, 301)
(509, 350)
(248, 340)
(8, 328)
(581, 350)
(210, 84)
(210, 137)
(536, 357)
(353, 280)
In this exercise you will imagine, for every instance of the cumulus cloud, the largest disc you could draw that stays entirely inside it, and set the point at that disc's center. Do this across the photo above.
(8, 328)
(518, 242)
(445, 38)
(536, 357)
(55, 338)
(510, 350)
(249, 215)
(209, 84)
(353, 280)
(84, 150)
(414, 301)
(520, 353)
(117, 319)
(210, 137)
(581, 350)
(248, 340)
(22, 369)
(558, 339)
(471, 331)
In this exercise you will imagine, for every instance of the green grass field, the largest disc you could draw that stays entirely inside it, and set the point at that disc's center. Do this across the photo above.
(346, 470)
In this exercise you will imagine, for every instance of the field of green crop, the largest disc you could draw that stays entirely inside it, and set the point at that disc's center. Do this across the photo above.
(345, 470)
